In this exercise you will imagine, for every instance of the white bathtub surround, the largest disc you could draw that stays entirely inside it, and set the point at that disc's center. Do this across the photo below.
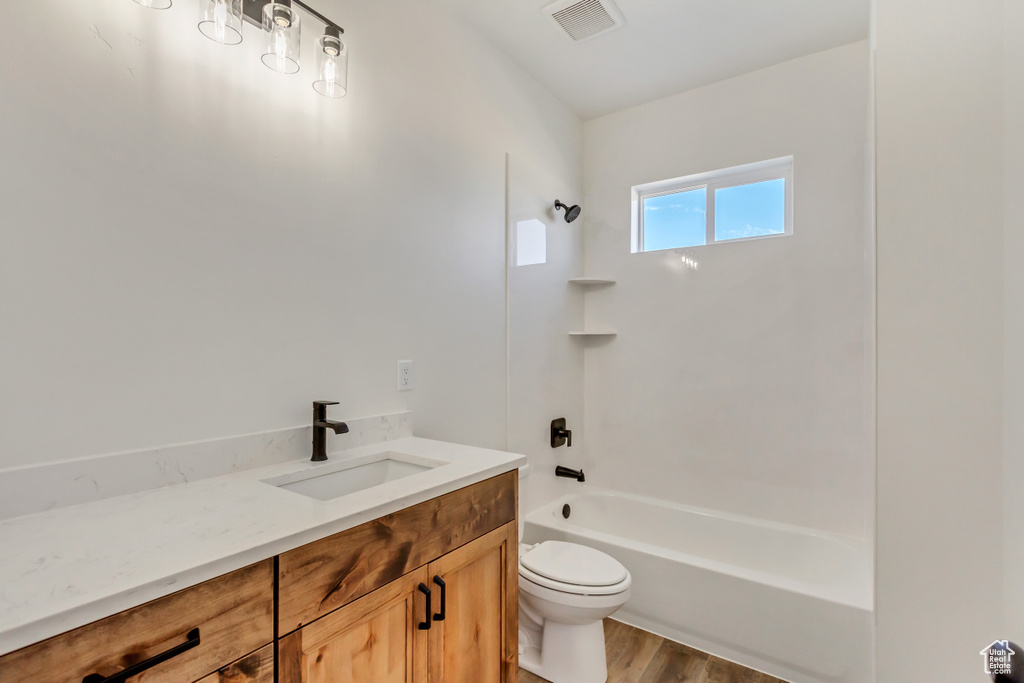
(741, 378)
(65, 568)
(790, 601)
(545, 365)
(59, 484)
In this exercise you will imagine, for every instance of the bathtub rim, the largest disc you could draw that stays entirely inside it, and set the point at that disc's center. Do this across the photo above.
(857, 592)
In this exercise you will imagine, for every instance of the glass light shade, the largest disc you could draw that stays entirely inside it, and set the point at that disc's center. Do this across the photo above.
(331, 65)
(155, 4)
(281, 25)
(221, 20)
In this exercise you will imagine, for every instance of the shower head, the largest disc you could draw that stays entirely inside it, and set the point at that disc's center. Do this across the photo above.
(571, 212)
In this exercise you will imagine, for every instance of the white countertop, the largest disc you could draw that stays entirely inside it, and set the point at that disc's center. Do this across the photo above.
(65, 568)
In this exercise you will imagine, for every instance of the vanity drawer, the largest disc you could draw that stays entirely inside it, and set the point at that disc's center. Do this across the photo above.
(320, 577)
(230, 616)
(255, 668)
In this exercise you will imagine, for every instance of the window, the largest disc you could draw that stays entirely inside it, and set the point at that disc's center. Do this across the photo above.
(739, 203)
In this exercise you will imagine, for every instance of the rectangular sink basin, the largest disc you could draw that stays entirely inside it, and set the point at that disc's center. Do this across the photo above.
(328, 482)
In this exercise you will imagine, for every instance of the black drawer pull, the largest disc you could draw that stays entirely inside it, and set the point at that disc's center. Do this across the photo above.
(440, 582)
(134, 670)
(424, 625)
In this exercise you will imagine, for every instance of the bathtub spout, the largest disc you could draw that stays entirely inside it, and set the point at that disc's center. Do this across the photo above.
(571, 474)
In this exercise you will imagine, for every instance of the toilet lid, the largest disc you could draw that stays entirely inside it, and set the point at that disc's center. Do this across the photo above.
(573, 564)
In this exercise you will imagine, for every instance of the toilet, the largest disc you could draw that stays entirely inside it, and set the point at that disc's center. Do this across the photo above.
(565, 591)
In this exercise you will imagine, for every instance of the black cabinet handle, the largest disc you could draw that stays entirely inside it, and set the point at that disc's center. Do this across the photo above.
(424, 625)
(134, 670)
(444, 601)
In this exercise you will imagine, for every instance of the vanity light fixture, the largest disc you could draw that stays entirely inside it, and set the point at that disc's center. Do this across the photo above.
(221, 21)
(283, 33)
(331, 64)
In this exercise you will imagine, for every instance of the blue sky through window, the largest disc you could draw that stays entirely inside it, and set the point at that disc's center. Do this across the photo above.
(675, 220)
(750, 210)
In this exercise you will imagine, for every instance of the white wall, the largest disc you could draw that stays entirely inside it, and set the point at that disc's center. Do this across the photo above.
(939, 98)
(195, 246)
(745, 385)
(1013, 318)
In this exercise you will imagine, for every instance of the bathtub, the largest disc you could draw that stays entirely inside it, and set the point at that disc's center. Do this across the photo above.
(786, 600)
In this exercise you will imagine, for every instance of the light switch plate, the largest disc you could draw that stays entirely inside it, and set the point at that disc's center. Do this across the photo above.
(405, 375)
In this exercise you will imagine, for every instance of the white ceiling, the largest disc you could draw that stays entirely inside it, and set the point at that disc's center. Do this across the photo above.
(666, 46)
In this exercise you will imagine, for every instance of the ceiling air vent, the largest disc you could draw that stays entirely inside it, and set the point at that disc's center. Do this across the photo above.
(585, 19)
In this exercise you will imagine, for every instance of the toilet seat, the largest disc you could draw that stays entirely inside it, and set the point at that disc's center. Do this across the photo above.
(573, 568)
(570, 589)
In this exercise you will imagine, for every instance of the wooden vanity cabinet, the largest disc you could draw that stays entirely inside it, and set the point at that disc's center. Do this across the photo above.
(257, 667)
(477, 642)
(207, 627)
(349, 608)
(319, 577)
(353, 606)
(375, 638)
(466, 635)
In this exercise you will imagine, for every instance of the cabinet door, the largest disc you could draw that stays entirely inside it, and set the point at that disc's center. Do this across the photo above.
(476, 641)
(375, 639)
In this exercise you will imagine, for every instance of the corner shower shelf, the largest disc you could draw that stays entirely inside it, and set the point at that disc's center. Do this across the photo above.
(589, 281)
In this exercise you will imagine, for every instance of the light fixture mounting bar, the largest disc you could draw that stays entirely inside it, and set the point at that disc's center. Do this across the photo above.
(253, 12)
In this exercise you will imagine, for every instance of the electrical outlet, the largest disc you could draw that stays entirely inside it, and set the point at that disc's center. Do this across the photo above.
(405, 375)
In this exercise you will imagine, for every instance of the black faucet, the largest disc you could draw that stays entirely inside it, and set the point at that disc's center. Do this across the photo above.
(571, 474)
(320, 426)
(559, 434)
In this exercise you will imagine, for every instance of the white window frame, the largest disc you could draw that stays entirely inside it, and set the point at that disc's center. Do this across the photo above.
(773, 169)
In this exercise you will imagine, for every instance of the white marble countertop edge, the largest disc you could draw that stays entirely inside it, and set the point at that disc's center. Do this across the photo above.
(27, 627)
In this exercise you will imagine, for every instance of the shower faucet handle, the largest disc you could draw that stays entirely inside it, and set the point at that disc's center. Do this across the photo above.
(560, 436)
